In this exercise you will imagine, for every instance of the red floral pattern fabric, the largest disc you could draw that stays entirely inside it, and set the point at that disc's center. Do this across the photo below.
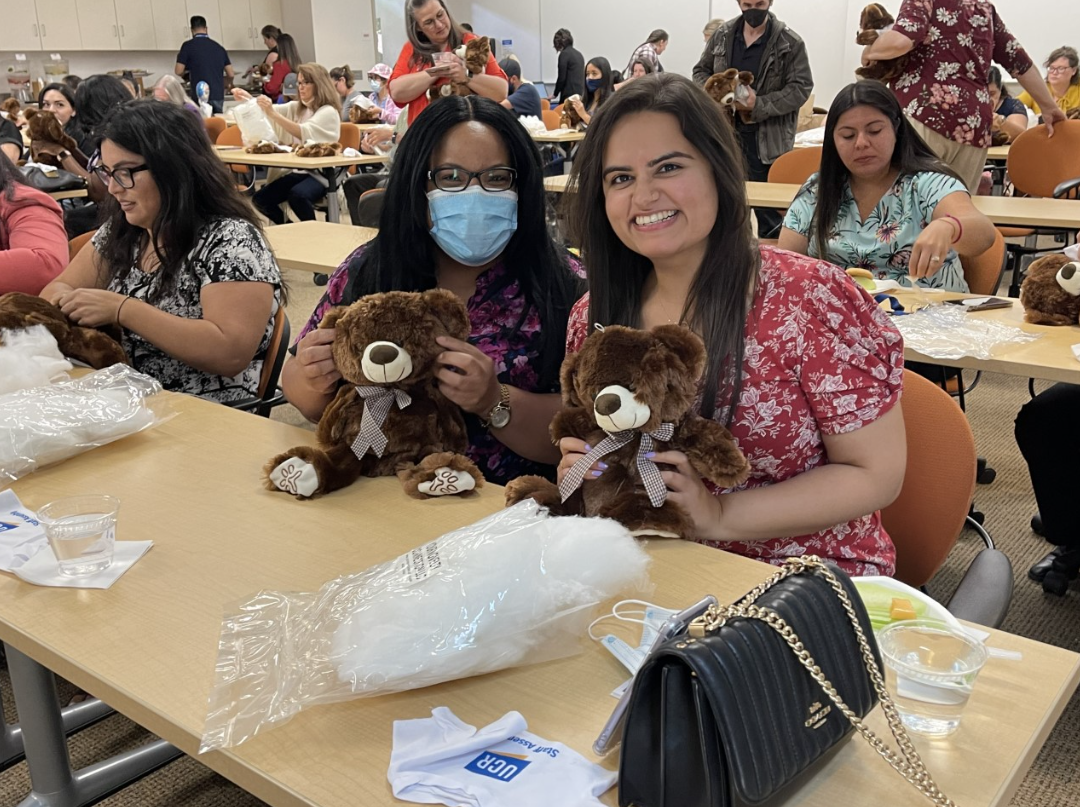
(820, 359)
(944, 82)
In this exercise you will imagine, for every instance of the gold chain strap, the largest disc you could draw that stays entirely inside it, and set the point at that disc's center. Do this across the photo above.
(908, 763)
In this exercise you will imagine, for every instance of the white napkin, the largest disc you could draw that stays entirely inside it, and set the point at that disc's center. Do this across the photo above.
(21, 536)
(1076, 351)
(41, 569)
(1073, 252)
(350, 152)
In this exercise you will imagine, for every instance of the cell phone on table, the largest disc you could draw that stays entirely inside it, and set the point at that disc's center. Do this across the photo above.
(676, 625)
(982, 303)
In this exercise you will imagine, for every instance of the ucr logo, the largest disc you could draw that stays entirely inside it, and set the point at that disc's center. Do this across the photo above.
(503, 767)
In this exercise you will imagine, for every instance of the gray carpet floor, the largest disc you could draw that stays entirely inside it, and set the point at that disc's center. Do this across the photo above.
(1053, 781)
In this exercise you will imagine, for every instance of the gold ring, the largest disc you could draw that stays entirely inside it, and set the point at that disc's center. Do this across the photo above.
(935, 257)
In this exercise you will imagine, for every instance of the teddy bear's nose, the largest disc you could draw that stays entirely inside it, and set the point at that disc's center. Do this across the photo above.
(1068, 271)
(608, 404)
(383, 354)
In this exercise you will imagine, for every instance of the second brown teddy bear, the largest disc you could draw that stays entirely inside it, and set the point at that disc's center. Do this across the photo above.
(1050, 293)
(45, 128)
(89, 345)
(876, 18)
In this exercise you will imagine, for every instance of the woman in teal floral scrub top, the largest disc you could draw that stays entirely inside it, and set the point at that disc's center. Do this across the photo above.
(882, 201)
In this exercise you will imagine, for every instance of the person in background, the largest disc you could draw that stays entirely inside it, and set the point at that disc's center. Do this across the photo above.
(803, 367)
(59, 99)
(11, 139)
(129, 82)
(759, 42)
(638, 69)
(649, 52)
(1046, 433)
(379, 78)
(599, 86)
(432, 32)
(180, 263)
(171, 89)
(33, 244)
(270, 36)
(571, 76)
(467, 28)
(203, 59)
(345, 84)
(314, 118)
(882, 200)
(1062, 80)
(949, 46)
(287, 62)
(73, 82)
(524, 100)
(711, 26)
(465, 159)
(1010, 115)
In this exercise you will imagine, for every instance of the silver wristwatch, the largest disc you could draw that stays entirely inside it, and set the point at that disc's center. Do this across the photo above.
(499, 415)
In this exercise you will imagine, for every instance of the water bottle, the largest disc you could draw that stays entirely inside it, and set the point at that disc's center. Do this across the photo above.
(202, 92)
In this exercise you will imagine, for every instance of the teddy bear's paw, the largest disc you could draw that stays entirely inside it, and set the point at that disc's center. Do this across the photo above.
(296, 477)
(447, 482)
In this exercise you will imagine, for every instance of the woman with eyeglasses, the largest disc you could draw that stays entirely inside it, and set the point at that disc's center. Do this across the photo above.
(428, 60)
(464, 211)
(314, 118)
(1062, 80)
(180, 263)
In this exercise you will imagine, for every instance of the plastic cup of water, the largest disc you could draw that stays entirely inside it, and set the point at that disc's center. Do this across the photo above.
(930, 670)
(81, 531)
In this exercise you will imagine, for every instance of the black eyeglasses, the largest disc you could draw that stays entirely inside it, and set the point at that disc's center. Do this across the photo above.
(495, 179)
(125, 177)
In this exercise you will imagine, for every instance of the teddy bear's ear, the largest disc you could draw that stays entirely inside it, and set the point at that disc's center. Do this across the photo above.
(567, 376)
(331, 317)
(684, 344)
(446, 306)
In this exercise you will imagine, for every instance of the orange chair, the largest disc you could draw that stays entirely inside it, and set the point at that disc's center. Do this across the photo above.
(214, 127)
(233, 137)
(267, 394)
(545, 104)
(350, 139)
(77, 243)
(932, 508)
(552, 119)
(796, 166)
(983, 273)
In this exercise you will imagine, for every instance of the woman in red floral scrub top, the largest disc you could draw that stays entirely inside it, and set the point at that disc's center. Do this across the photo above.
(662, 216)
(950, 45)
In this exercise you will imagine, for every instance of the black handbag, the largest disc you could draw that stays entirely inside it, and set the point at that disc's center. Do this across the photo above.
(742, 709)
(55, 180)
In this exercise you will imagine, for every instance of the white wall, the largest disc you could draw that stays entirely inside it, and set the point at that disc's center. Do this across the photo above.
(344, 33)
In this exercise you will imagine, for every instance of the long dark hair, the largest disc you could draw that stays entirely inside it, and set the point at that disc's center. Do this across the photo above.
(404, 257)
(74, 124)
(604, 91)
(271, 32)
(910, 156)
(195, 187)
(562, 39)
(996, 80)
(95, 100)
(719, 297)
(287, 50)
(423, 48)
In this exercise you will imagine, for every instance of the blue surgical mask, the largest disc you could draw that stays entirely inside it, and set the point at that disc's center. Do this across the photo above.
(376, 84)
(473, 226)
(594, 84)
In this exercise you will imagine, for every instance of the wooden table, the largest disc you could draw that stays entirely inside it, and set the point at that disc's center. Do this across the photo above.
(330, 167)
(80, 193)
(315, 246)
(998, 154)
(1050, 357)
(558, 136)
(148, 645)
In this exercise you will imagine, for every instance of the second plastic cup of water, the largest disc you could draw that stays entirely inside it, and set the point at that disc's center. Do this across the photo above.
(930, 669)
(81, 531)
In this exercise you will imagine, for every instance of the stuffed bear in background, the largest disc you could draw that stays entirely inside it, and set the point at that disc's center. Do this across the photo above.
(569, 117)
(1050, 293)
(633, 392)
(12, 110)
(731, 87)
(388, 417)
(88, 345)
(318, 150)
(358, 114)
(875, 19)
(475, 53)
(45, 128)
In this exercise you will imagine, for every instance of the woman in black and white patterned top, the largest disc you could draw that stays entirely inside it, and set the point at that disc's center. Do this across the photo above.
(180, 262)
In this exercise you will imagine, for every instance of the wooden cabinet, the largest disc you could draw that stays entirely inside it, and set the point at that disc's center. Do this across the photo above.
(209, 10)
(235, 26)
(136, 21)
(58, 24)
(19, 30)
(97, 22)
(171, 25)
(263, 12)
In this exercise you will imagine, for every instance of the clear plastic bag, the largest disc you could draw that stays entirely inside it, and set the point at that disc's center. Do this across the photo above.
(515, 588)
(254, 126)
(949, 332)
(43, 425)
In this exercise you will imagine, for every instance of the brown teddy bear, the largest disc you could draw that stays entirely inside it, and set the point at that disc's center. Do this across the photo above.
(89, 345)
(357, 114)
(11, 110)
(263, 147)
(731, 87)
(389, 416)
(876, 18)
(569, 117)
(45, 128)
(1050, 293)
(628, 393)
(475, 53)
(318, 150)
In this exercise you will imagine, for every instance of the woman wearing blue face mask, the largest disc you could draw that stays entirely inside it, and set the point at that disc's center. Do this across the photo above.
(464, 211)
(598, 88)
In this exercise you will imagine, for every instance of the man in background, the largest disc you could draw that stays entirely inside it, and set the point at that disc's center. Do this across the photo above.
(524, 99)
(204, 60)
